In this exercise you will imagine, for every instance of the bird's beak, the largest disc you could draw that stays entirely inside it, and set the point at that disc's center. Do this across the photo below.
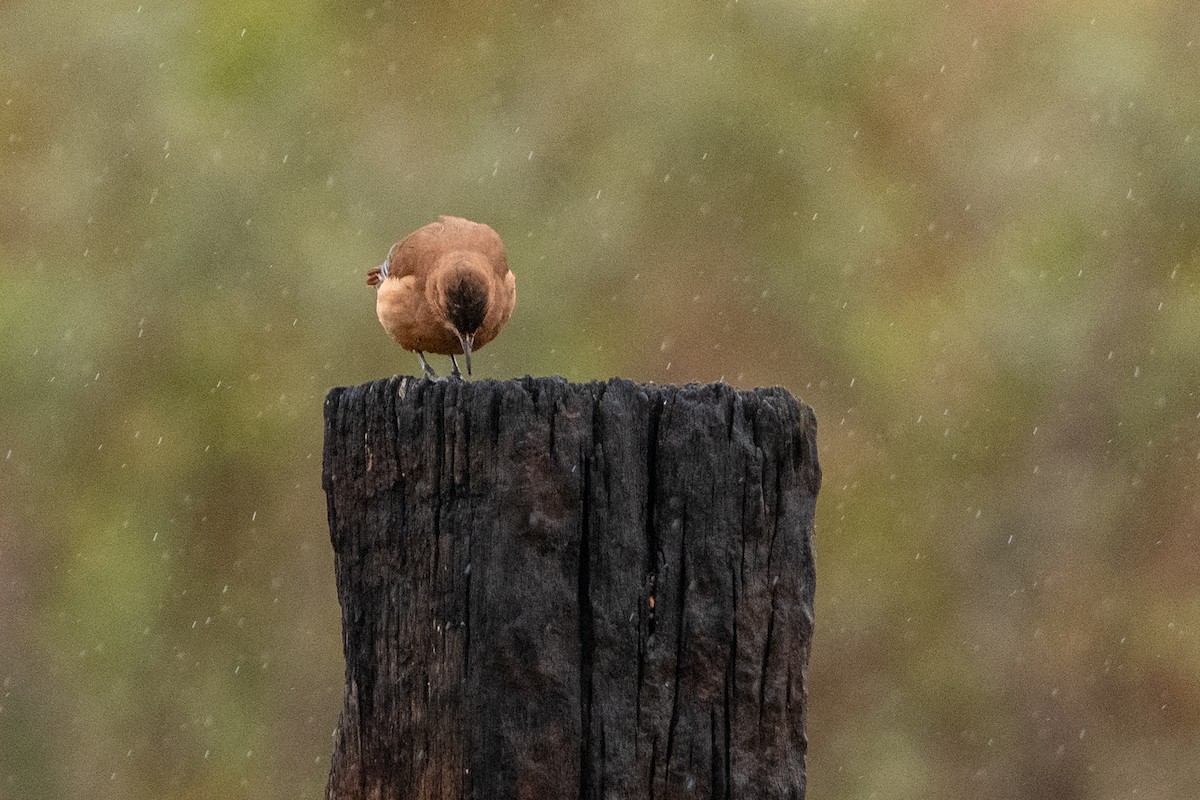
(468, 341)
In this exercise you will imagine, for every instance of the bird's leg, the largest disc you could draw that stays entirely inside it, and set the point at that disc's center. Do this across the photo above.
(455, 373)
(429, 373)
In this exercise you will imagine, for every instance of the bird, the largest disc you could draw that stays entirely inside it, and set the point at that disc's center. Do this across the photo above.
(445, 288)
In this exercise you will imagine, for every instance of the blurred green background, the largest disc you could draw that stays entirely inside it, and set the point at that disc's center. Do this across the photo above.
(965, 233)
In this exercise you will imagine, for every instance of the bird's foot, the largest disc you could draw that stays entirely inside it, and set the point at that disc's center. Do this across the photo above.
(428, 370)
(456, 373)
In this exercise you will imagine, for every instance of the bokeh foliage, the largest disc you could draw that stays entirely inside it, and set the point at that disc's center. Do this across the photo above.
(965, 233)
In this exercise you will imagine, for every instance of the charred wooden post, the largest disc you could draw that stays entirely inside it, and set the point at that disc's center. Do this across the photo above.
(554, 590)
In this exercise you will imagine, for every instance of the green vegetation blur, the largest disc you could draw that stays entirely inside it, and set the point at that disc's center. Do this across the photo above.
(965, 233)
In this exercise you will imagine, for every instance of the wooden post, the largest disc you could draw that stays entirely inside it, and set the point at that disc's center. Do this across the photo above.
(554, 590)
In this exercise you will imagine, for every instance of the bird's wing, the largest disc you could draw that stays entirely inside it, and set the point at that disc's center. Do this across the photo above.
(418, 248)
(417, 253)
(478, 237)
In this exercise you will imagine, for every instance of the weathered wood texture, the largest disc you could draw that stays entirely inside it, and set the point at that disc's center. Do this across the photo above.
(553, 590)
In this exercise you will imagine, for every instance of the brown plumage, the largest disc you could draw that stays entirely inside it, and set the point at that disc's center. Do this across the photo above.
(445, 288)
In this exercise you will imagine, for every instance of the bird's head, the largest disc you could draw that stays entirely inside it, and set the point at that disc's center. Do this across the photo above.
(461, 294)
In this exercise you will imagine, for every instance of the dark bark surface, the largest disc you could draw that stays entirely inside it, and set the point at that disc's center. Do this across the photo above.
(554, 590)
